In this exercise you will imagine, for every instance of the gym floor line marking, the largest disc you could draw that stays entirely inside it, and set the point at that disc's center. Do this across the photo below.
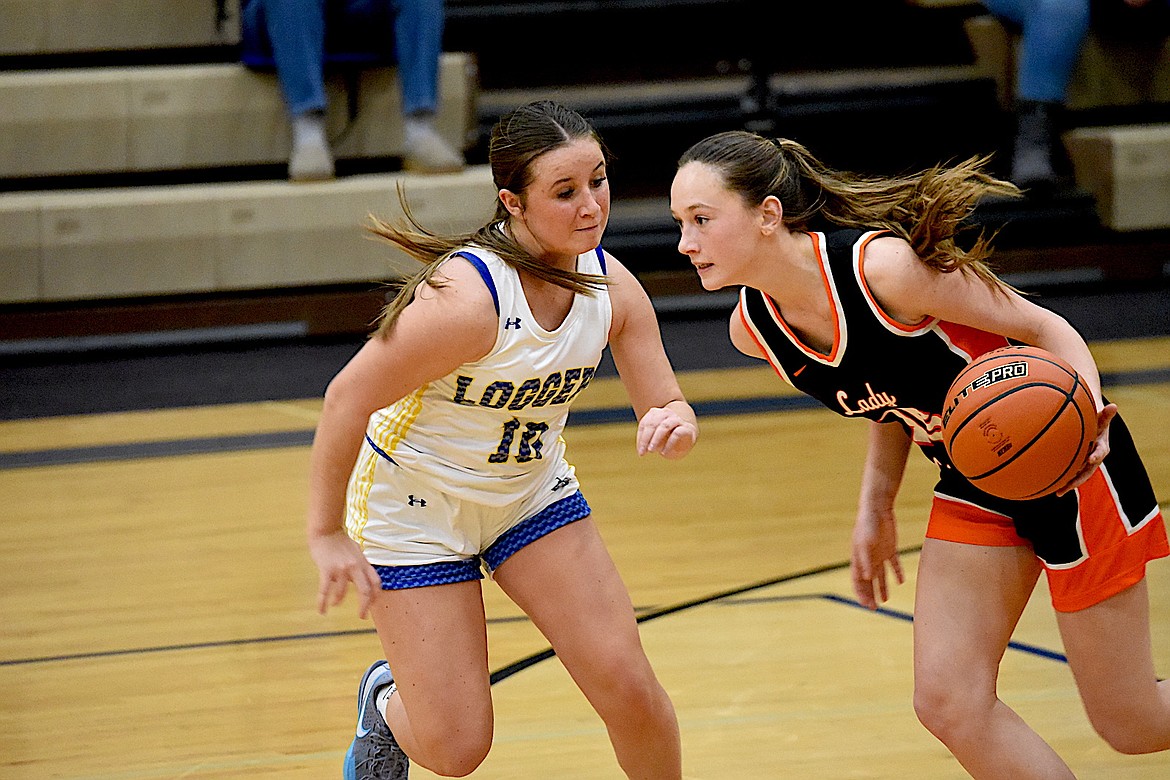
(727, 597)
(212, 644)
(1024, 647)
(646, 614)
(544, 655)
(106, 453)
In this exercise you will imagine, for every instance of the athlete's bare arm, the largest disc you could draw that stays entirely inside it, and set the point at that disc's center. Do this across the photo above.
(666, 422)
(442, 328)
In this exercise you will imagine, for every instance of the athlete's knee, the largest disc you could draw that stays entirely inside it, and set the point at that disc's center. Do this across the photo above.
(1132, 733)
(942, 708)
(456, 749)
(626, 686)
(456, 755)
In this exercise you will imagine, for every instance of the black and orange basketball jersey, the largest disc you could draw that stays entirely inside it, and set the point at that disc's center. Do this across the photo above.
(885, 371)
(876, 368)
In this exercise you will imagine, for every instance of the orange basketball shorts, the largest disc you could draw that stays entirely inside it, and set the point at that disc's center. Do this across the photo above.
(1089, 555)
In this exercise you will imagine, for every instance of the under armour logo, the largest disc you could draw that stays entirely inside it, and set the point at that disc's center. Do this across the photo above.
(560, 483)
(511, 323)
(416, 501)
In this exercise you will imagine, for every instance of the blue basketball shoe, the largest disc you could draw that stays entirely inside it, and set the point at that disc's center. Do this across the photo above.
(374, 753)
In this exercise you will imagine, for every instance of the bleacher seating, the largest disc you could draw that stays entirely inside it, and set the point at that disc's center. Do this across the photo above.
(1127, 169)
(203, 238)
(1109, 72)
(44, 27)
(77, 226)
(143, 165)
(168, 117)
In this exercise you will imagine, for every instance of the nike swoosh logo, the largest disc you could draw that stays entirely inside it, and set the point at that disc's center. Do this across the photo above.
(372, 680)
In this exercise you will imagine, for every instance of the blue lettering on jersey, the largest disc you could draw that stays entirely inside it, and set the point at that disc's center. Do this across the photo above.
(524, 394)
(555, 389)
(552, 383)
(496, 395)
(461, 385)
(571, 378)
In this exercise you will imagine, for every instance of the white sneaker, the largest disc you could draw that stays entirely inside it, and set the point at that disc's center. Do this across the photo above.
(426, 151)
(310, 158)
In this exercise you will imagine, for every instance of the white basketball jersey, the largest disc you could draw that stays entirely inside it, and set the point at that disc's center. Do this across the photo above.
(488, 430)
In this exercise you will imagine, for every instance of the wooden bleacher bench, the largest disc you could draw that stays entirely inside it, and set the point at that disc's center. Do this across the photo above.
(61, 246)
(43, 27)
(1127, 168)
(168, 117)
(208, 238)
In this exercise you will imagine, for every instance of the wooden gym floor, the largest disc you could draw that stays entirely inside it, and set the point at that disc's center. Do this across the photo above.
(157, 620)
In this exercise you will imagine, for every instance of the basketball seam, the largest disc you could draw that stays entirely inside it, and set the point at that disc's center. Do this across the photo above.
(1068, 400)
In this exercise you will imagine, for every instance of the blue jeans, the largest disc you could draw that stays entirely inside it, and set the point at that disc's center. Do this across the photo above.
(1052, 34)
(296, 30)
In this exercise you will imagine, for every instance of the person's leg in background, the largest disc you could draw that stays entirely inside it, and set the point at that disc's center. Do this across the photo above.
(1052, 34)
(418, 37)
(296, 31)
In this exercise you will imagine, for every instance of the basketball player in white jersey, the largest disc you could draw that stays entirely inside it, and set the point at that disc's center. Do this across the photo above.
(856, 292)
(439, 456)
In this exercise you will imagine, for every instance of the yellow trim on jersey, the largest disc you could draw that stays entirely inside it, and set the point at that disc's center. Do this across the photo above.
(359, 495)
(394, 424)
(397, 419)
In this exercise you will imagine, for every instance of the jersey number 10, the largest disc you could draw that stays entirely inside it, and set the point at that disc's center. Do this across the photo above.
(530, 444)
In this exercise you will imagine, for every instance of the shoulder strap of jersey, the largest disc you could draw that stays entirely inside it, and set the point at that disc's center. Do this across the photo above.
(601, 258)
(479, 265)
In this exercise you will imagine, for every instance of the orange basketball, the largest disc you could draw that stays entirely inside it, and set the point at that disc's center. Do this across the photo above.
(1019, 422)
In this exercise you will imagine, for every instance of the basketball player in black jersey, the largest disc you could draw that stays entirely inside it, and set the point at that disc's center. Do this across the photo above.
(855, 291)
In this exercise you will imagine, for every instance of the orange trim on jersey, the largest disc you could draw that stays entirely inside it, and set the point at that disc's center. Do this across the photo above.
(834, 312)
(1117, 557)
(972, 342)
(767, 353)
(922, 324)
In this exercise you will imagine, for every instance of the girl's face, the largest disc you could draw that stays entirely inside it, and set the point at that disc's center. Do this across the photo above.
(719, 231)
(564, 209)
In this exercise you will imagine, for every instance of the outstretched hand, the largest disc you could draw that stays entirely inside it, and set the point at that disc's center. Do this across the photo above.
(339, 562)
(664, 431)
(875, 546)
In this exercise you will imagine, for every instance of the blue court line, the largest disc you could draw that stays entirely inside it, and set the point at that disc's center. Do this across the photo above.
(544, 655)
(727, 597)
(104, 453)
(507, 671)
